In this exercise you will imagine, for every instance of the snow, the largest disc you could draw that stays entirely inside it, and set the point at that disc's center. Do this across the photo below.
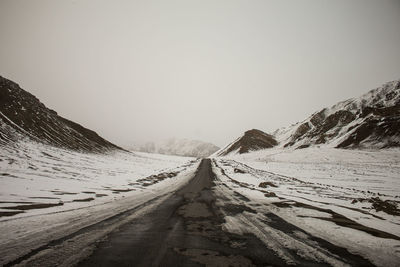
(34, 172)
(279, 241)
(217, 153)
(386, 95)
(181, 147)
(315, 183)
(375, 170)
(89, 188)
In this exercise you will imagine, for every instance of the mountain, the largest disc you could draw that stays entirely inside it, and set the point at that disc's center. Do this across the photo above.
(250, 141)
(369, 121)
(179, 147)
(23, 116)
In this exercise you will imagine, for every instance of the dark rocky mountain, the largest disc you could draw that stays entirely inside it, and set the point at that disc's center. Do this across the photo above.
(370, 121)
(250, 141)
(179, 147)
(22, 115)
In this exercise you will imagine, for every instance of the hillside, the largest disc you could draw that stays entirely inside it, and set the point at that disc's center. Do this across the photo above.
(23, 116)
(371, 121)
(250, 141)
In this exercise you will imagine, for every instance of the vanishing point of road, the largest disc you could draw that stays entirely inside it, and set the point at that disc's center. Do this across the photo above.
(186, 230)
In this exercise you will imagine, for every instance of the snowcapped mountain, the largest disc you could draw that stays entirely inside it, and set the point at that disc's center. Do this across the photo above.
(179, 147)
(23, 116)
(251, 140)
(370, 121)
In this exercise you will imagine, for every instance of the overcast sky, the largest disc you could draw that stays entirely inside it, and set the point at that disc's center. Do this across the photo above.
(208, 70)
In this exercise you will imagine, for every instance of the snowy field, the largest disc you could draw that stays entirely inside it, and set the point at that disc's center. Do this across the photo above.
(47, 193)
(347, 197)
(375, 171)
(308, 202)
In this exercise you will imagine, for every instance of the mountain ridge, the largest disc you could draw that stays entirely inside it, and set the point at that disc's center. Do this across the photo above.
(179, 147)
(251, 140)
(369, 121)
(355, 122)
(22, 115)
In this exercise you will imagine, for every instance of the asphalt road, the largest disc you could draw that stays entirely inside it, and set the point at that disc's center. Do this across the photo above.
(186, 230)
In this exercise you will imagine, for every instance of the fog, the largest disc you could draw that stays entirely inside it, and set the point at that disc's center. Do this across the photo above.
(137, 71)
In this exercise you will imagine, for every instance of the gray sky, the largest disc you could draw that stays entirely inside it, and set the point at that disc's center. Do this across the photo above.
(208, 70)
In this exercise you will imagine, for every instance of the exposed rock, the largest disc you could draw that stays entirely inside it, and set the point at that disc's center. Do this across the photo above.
(318, 118)
(238, 171)
(303, 128)
(251, 140)
(24, 116)
(371, 121)
(266, 184)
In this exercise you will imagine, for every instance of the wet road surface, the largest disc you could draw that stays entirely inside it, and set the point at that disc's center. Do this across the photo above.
(186, 230)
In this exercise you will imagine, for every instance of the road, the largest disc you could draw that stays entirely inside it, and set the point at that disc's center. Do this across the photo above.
(186, 230)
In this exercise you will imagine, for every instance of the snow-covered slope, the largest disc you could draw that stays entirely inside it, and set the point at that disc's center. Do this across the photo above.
(51, 187)
(23, 116)
(370, 121)
(45, 165)
(250, 141)
(47, 192)
(35, 177)
(179, 147)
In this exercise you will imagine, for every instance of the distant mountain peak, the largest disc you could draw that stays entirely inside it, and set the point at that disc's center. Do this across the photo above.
(179, 147)
(251, 140)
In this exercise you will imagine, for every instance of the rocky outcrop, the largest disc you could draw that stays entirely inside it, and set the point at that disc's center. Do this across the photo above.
(251, 140)
(371, 121)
